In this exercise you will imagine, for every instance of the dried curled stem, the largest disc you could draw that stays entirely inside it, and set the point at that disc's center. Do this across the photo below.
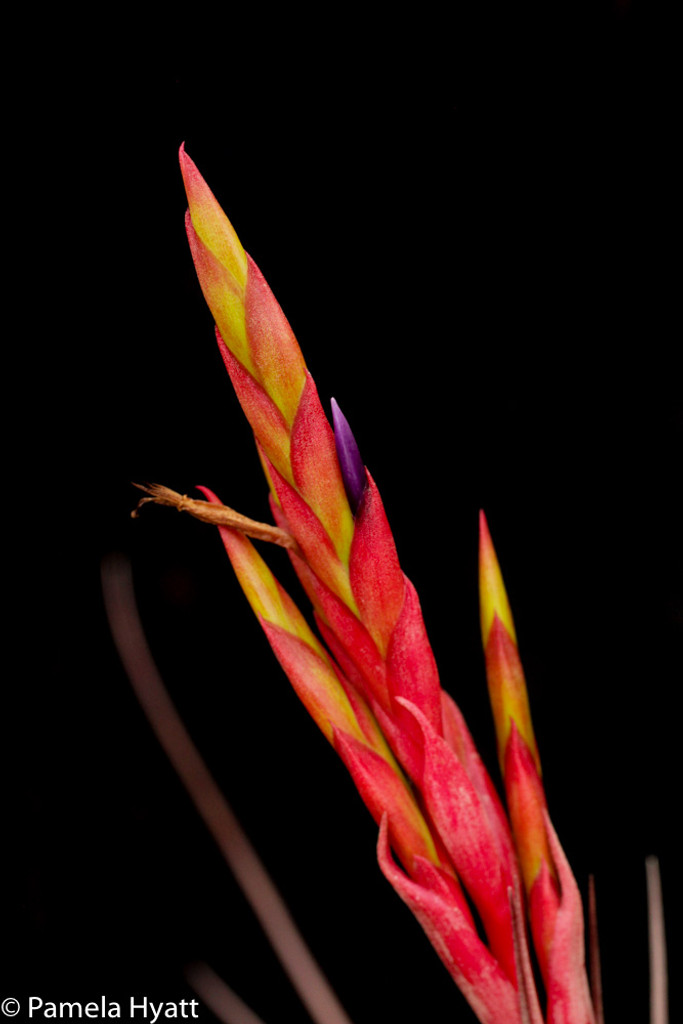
(216, 515)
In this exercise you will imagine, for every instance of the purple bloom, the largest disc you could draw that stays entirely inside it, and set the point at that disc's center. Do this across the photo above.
(353, 470)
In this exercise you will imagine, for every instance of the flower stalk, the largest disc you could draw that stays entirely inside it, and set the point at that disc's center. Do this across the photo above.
(369, 679)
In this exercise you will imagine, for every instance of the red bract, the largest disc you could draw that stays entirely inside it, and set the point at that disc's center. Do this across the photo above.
(373, 687)
(555, 911)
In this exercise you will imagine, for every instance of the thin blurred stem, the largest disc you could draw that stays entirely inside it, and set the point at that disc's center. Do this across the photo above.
(268, 906)
(659, 1002)
(219, 997)
(594, 953)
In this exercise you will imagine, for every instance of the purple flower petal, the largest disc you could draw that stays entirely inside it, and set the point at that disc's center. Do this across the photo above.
(353, 470)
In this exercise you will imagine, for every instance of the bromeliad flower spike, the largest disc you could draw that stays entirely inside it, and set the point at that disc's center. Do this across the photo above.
(369, 679)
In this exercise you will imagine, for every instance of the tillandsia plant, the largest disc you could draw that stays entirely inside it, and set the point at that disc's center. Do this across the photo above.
(472, 873)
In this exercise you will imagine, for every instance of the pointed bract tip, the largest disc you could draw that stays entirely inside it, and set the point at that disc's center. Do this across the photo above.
(187, 165)
(493, 599)
(350, 461)
(210, 224)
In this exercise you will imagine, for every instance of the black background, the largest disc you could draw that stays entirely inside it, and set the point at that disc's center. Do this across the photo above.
(470, 225)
